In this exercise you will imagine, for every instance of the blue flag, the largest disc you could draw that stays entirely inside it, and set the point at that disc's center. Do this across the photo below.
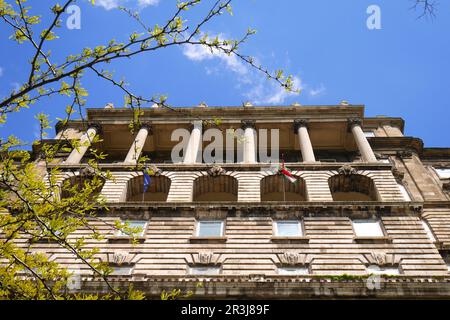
(147, 181)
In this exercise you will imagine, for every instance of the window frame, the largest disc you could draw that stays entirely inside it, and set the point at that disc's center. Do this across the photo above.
(117, 267)
(198, 228)
(382, 268)
(120, 233)
(194, 267)
(299, 224)
(447, 176)
(380, 225)
(306, 269)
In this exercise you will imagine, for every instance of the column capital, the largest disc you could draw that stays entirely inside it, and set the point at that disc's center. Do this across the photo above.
(300, 123)
(96, 125)
(148, 126)
(194, 123)
(248, 124)
(353, 122)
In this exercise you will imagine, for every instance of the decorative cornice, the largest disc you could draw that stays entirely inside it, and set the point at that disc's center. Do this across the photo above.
(298, 123)
(248, 124)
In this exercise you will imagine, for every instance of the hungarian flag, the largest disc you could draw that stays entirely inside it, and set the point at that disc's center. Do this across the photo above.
(286, 173)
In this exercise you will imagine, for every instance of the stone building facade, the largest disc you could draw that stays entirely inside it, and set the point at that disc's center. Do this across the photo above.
(368, 215)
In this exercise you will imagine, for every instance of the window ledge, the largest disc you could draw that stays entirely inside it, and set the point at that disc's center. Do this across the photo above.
(290, 239)
(43, 240)
(372, 239)
(125, 239)
(208, 239)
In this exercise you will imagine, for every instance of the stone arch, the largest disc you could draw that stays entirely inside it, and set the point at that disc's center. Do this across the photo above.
(75, 179)
(158, 189)
(215, 188)
(352, 187)
(278, 188)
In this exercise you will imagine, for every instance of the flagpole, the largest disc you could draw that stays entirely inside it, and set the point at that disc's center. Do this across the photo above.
(284, 187)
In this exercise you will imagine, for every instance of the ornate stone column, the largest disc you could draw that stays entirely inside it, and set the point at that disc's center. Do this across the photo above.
(301, 128)
(193, 149)
(364, 147)
(85, 142)
(249, 141)
(138, 144)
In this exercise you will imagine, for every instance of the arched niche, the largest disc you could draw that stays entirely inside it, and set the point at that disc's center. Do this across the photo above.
(278, 188)
(215, 188)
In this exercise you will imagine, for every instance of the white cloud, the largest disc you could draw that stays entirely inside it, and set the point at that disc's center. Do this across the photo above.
(317, 91)
(257, 88)
(1, 71)
(112, 4)
(201, 53)
(269, 92)
(146, 3)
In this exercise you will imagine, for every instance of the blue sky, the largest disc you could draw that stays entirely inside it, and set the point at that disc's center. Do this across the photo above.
(402, 70)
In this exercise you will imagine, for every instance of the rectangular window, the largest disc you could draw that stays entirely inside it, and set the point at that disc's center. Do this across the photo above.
(374, 269)
(207, 271)
(121, 270)
(369, 134)
(210, 229)
(293, 271)
(443, 173)
(288, 228)
(367, 228)
(137, 228)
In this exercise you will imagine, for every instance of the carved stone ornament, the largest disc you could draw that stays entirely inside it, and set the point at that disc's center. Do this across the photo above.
(347, 170)
(216, 170)
(381, 156)
(398, 175)
(404, 154)
(87, 172)
(292, 258)
(446, 186)
(153, 170)
(205, 258)
(120, 258)
(380, 258)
